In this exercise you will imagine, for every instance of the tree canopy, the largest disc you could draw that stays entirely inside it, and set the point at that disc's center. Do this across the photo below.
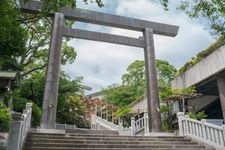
(24, 38)
(24, 44)
(12, 35)
(134, 84)
(213, 11)
(31, 89)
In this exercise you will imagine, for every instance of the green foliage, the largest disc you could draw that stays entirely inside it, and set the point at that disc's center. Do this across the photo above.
(5, 118)
(203, 54)
(25, 46)
(19, 105)
(166, 127)
(123, 112)
(71, 110)
(197, 116)
(166, 71)
(212, 11)
(164, 108)
(32, 88)
(36, 114)
(134, 84)
(135, 74)
(51, 5)
(119, 95)
(165, 4)
(170, 94)
(12, 35)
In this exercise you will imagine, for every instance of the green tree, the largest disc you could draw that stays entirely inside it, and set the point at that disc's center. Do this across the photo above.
(213, 11)
(27, 44)
(134, 83)
(71, 110)
(169, 96)
(133, 86)
(12, 35)
(32, 88)
(166, 72)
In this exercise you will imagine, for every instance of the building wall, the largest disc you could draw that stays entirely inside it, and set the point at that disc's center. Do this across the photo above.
(208, 67)
(140, 106)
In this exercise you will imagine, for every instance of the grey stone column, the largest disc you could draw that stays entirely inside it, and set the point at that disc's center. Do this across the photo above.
(49, 105)
(221, 88)
(154, 117)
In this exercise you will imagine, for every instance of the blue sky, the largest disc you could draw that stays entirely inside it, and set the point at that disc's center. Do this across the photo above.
(102, 64)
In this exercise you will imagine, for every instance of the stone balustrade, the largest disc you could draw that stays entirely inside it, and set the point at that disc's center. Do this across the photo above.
(202, 131)
(19, 128)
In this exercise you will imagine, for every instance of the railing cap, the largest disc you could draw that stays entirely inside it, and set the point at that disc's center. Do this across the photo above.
(179, 114)
(16, 116)
(29, 104)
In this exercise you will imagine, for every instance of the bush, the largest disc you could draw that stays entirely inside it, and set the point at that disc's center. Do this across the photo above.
(197, 116)
(20, 103)
(5, 118)
(36, 114)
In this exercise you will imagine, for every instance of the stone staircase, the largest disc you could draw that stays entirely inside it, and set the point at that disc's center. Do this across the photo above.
(110, 140)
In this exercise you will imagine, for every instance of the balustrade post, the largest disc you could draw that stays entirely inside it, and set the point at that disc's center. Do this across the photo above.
(146, 127)
(223, 126)
(180, 116)
(204, 135)
(132, 126)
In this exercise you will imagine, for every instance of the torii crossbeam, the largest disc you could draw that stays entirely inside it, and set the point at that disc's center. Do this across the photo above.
(148, 28)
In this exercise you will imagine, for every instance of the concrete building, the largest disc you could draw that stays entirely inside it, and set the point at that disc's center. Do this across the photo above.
(208, 76)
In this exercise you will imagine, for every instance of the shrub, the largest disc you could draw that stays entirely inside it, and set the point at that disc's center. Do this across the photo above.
(36, 114)
(5, 118)
(20, 103)
(197, 116)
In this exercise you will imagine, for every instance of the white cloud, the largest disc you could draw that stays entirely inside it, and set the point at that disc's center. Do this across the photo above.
(191, 38)
(102, 64)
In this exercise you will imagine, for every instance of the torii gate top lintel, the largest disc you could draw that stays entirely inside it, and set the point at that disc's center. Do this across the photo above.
(94, 17)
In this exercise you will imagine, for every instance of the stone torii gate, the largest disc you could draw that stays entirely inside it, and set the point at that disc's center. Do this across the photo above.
(59, 31)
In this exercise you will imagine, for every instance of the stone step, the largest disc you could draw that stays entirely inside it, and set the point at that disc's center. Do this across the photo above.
(97, 141)
(104, 136)
(107, 138)
(64, 148)
(88, 131)
(105, 141)
(88, 145)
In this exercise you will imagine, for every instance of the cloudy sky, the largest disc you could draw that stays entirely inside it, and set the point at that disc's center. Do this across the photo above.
(102, 64)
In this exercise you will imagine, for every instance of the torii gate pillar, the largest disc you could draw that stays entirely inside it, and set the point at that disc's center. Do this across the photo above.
(49, 106)
(154, 120)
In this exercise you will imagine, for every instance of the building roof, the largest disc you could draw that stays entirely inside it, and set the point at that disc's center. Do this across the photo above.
(7, 75)
(94, 94)
(5, 78)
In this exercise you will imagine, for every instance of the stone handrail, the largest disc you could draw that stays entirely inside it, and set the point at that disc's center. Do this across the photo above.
(96, 121)
(106, 123)
(19, 128)
(140, 124)
(202, 131)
